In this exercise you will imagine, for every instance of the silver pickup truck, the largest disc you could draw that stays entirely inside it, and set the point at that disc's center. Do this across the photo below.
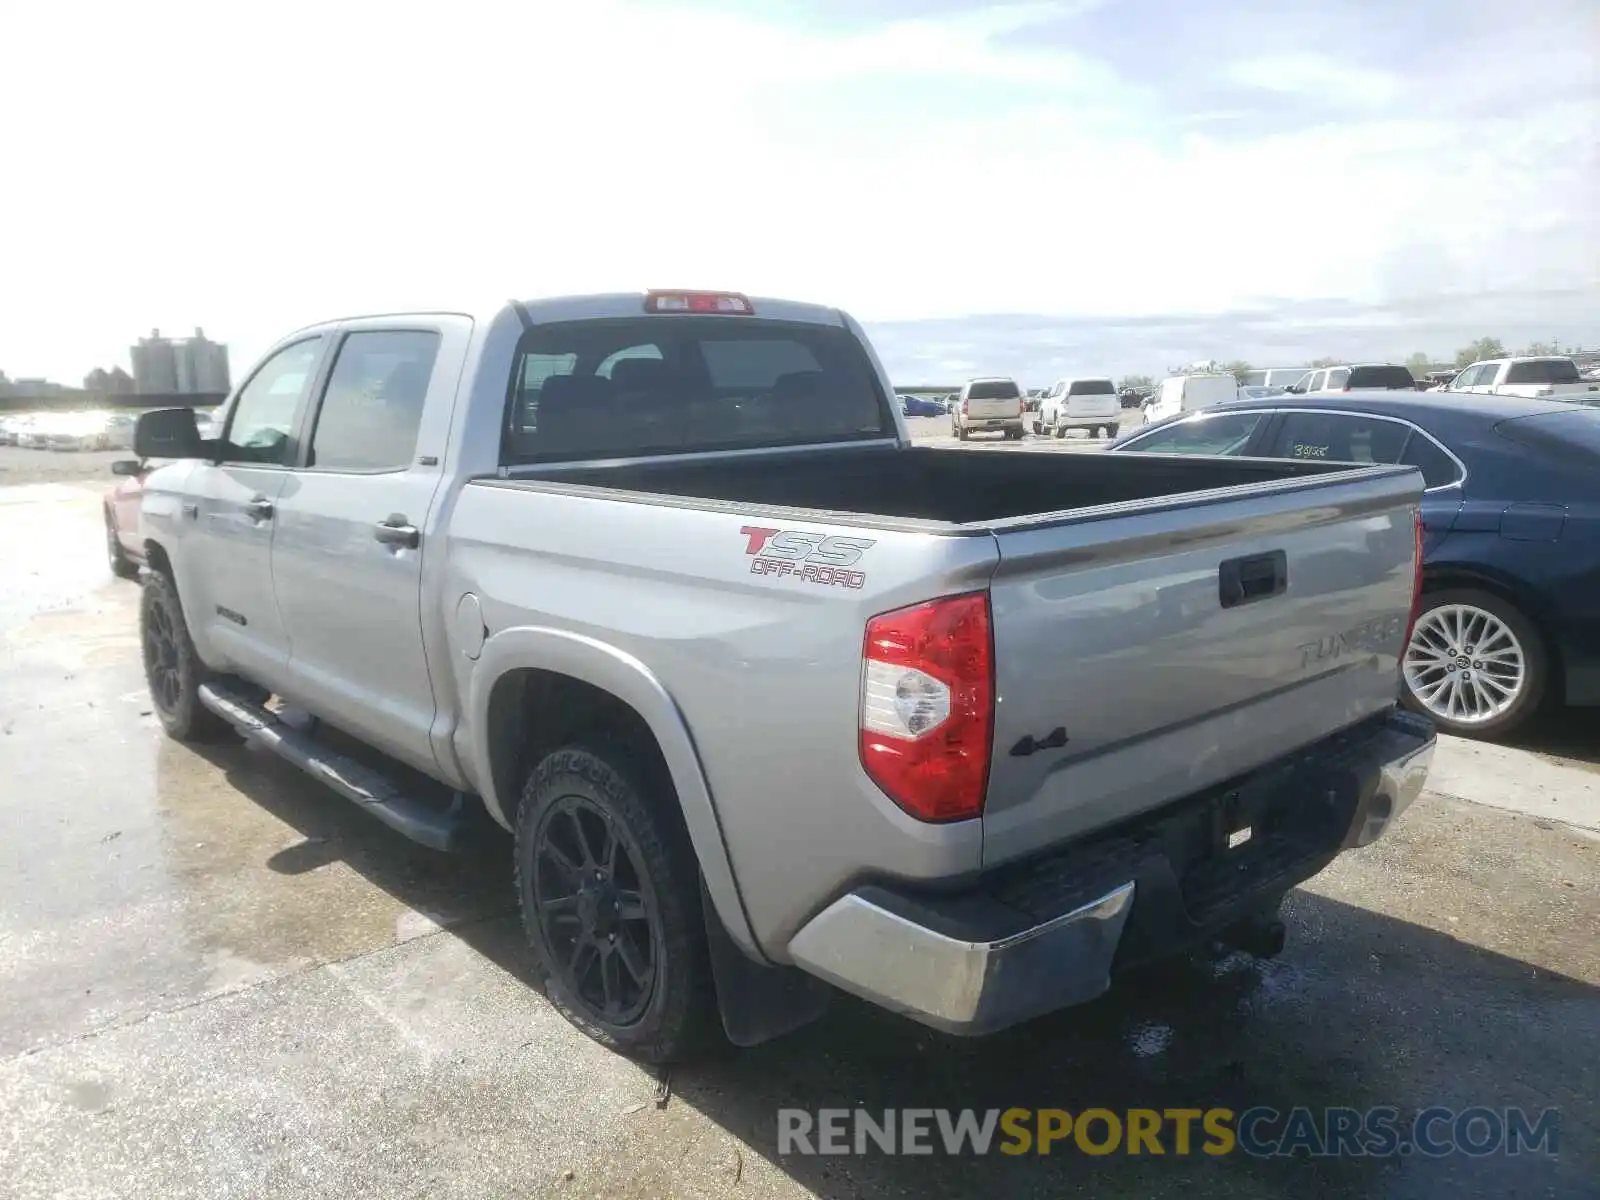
(773, 701)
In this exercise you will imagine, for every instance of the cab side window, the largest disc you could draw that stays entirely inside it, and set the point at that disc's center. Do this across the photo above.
(261, 427)
(372, 407)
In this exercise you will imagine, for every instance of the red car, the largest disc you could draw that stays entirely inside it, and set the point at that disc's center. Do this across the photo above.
(124, 550)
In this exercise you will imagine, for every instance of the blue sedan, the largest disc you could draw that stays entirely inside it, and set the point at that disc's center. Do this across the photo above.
(921, 406)
(1510, 611)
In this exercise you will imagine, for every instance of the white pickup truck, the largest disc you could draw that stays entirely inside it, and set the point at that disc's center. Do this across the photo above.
(773, 701)
(1536, 378)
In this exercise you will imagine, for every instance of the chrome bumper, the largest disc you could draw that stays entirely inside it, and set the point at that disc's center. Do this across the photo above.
(972, 963)
(958, 984)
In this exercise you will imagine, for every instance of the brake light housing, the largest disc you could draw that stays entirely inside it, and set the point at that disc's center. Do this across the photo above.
(676, 300)
(927, 706)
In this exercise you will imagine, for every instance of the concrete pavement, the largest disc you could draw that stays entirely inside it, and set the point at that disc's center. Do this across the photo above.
(218, 979)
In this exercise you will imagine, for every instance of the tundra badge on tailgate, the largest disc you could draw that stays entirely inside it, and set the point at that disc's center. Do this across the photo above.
(806, 557)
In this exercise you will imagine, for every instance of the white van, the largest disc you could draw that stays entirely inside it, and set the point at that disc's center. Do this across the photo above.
(1189, 393)
(1279, 377)
(1090, 403)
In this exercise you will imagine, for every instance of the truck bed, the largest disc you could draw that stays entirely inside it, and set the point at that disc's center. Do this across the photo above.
(958, 487)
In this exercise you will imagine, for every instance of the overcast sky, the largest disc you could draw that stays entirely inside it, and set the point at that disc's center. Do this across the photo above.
(1109, 186)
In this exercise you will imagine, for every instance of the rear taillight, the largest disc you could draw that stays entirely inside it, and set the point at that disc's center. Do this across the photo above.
(927, 706)
(964, 409)
(1416, 579)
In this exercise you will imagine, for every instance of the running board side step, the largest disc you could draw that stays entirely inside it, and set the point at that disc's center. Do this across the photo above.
(428, 824)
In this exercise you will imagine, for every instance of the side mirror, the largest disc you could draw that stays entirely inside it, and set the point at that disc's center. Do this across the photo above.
(167, 433)
(1294, 389)
(127, 466)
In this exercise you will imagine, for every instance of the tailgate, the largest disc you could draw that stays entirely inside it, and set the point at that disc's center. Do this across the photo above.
(1093, 406)
(988, 410)
(1188, 641)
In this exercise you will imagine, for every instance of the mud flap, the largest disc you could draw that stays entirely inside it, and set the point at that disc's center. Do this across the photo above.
(758, 1003)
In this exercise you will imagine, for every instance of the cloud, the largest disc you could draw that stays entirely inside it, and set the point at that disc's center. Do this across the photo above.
(902, 158)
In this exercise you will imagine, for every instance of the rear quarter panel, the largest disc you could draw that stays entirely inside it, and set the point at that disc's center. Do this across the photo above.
(762, 662)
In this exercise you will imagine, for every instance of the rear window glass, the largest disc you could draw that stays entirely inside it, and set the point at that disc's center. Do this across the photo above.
(1381, 377)
(1573, 436)
(1543, 370)
(676, 384)
(1092, 387)
(1438, 468)
(994, 389)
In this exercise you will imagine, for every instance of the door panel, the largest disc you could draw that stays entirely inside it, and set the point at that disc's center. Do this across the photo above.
(348, 551)
(229, 601)
(239, 614)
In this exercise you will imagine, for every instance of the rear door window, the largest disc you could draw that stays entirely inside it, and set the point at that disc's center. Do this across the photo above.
(1438, 468)
(1338, 437)
(372, 407)
(675, 384)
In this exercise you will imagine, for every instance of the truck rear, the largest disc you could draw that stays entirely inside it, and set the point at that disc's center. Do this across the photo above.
(1163, 718)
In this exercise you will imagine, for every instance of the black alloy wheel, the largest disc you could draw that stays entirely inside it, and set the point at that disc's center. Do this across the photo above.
(594, 914)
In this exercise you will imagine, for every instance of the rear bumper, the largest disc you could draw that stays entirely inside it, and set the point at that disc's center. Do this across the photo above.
(991, 422)
(1048, 933)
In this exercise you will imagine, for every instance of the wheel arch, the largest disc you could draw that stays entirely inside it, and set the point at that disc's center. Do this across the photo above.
(532, 677)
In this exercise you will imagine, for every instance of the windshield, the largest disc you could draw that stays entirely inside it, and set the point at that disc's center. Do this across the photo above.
(678, 384)
(1092, 387)
(1544, 370)
(994, 389)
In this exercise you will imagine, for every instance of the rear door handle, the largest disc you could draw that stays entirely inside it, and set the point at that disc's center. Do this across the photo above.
(259, 509)
(397, 531)
(1255, 577)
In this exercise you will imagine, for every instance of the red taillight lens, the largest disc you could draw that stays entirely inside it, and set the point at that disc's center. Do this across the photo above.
(964, 408)
(927, 706)
(1416, 580)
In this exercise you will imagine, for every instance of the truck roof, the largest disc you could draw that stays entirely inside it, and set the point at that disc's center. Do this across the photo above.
(598, 306)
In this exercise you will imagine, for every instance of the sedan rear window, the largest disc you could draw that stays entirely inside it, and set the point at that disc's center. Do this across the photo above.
(1544, 370)
(994, 389)
(1092, 387)
(677, 384)
(1381, 377)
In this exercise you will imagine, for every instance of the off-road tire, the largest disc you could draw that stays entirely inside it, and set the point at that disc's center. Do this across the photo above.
(183, 716)
(629, 787)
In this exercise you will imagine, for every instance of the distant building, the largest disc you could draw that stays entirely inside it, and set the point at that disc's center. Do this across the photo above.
(155, 364)
(202, 364)
(115, 382)
(37, 387)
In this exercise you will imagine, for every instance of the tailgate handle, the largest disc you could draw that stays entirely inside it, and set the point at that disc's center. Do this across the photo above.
(1256, 577)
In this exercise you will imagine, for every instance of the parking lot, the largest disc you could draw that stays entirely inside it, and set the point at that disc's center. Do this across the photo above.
(217, 979)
